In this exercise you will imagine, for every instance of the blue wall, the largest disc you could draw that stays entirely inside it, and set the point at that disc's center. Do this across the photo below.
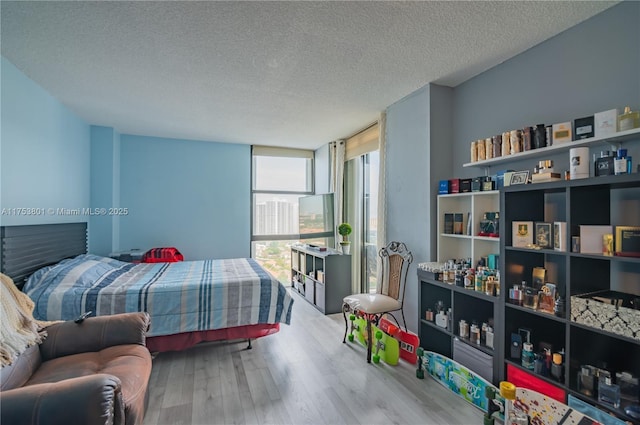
(193, 195)
(104, 234)
(44, 152)
(188, 194)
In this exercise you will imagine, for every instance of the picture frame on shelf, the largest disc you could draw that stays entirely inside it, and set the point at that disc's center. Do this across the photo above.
(544, 235)
(519, 177)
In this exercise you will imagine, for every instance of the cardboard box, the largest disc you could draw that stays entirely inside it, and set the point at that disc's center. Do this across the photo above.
(560, 235)
(544, 235)
(583, 128)
(458, 223)
(591, 238)
(443, 187)
(605, 123)
(545, 177)
(628, 241)
(522, 233)
(448, 223)
(493, 261)
(465, 185)
(454, 186)
(507, 178)
(500, 178)
(476, 184)
(561, 132)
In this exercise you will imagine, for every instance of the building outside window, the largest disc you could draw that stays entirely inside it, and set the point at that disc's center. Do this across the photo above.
(280, 177)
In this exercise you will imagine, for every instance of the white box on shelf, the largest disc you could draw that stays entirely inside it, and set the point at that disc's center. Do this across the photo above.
(605, 123)
(562, 133)
(560, 235)
(591, 238)
(521, 233)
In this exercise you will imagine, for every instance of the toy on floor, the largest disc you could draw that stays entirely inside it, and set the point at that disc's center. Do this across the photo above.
(386, 347)
(523, 406)
(495, 406)
(459, 379)
(420, 370)
(409, 342)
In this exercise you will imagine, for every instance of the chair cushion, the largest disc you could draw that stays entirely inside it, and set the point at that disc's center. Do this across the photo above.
(129, 363)
(372, 303)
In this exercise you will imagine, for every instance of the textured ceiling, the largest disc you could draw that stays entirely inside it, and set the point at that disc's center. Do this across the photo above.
(294, 74)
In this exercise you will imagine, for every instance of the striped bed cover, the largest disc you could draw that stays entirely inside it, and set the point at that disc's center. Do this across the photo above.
(180, 297)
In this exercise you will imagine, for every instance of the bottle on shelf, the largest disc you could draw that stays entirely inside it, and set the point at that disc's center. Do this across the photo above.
(608, 392)
(628, 120)
(469, 279)
(620, 162)
(528, 358)
(557, 368)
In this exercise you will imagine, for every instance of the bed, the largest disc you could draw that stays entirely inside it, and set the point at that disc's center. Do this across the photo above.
(189, 302)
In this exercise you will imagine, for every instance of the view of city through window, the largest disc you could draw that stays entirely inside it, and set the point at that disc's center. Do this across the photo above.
(278, 184)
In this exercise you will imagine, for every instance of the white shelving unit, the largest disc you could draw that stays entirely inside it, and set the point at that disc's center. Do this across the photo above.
(465, 304)
(467, 245)
(615, 139)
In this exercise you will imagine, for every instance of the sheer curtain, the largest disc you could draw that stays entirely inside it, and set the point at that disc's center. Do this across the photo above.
(336, 156)
(382, 189)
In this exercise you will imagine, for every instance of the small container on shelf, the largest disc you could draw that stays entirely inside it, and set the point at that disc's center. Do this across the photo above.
(528, 358)
(628, 120)
(608, 392)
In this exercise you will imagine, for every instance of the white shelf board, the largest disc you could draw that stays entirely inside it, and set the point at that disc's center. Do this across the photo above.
(619, 137)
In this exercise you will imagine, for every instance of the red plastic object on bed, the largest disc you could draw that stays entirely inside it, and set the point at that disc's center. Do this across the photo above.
(162, 255)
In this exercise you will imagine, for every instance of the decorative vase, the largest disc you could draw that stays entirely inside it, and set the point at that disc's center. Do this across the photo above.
(346, 248)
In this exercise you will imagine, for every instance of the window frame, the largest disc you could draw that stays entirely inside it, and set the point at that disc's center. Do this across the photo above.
(281, 153)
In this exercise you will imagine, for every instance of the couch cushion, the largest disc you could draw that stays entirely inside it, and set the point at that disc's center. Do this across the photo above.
(16, 374)
(129, 363)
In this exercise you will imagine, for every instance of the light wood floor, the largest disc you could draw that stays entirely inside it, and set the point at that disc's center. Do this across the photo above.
(302, 375)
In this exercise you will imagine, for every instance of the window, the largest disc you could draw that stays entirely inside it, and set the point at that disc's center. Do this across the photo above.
(361, 178)
(361, 209)
(279, 177)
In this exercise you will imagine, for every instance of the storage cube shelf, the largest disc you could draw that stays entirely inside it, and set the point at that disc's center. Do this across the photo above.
(610, 200)
(322, 277)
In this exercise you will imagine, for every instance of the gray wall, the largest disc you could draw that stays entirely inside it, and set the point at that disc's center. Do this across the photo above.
(589, 68)
(592, 67)
(418, 154)
(407, 186)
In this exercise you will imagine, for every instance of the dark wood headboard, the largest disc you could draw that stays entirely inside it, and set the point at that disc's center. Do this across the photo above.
(25, 249)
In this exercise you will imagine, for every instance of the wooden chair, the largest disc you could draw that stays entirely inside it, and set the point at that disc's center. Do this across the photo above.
(389, 295)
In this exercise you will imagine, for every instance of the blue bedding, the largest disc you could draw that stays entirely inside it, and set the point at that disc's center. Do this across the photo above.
(180, 297)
